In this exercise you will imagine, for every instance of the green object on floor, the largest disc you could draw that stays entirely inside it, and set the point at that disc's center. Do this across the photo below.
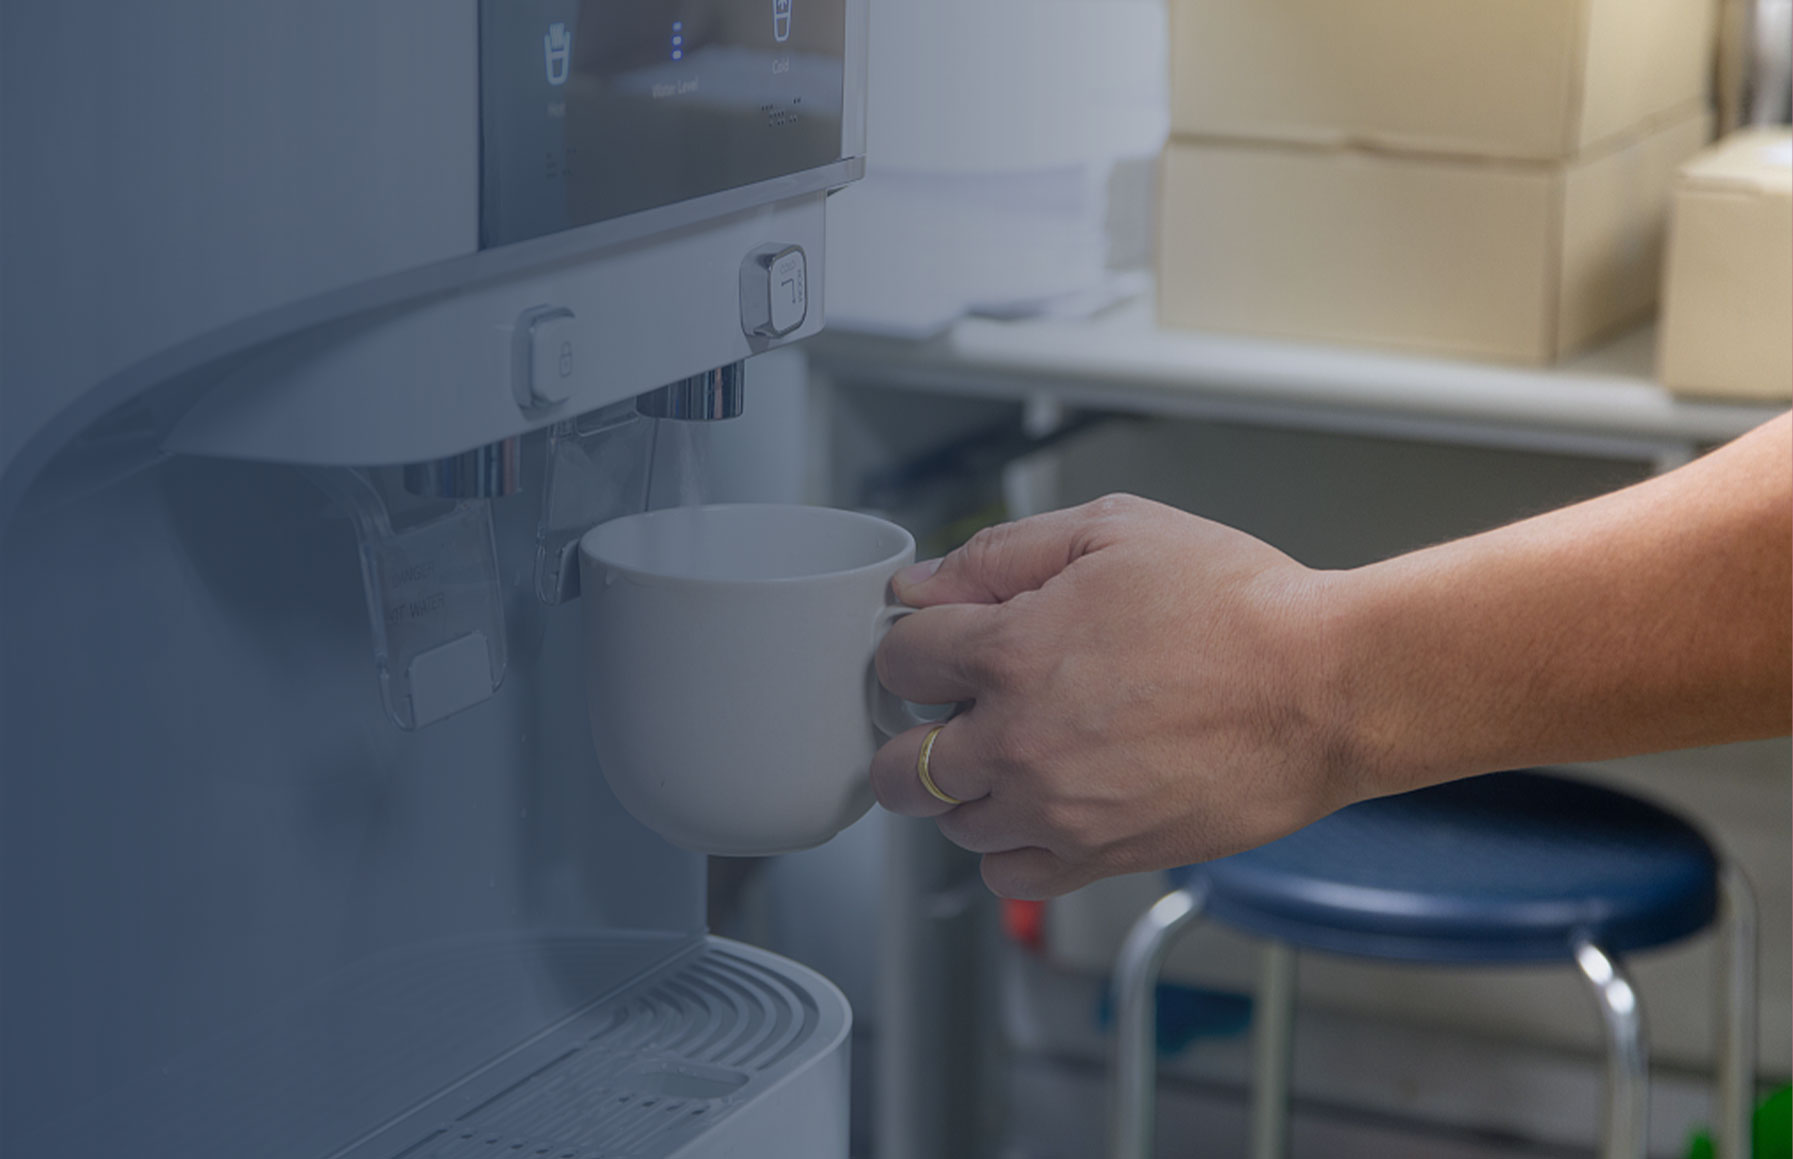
(1771, 1131)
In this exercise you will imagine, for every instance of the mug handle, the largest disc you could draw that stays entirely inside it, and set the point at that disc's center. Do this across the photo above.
(890, 712)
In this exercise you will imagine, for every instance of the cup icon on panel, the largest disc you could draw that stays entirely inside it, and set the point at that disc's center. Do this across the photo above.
(781, 20)
(557, 50)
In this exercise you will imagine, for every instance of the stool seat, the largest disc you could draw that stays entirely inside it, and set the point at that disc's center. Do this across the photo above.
(1505, 868)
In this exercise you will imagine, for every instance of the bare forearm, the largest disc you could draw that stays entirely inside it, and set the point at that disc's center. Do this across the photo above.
(1148, 688)
(1650, 619)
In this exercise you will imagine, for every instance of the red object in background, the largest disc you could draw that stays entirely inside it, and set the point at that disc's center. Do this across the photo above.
(1025, 922)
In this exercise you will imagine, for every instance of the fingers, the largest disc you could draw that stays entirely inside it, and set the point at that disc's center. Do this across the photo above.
(999, 563)
(1031, 874)
(987, 825)
(1013, 866)
(938, 655)
(1016, 864)
(952, 763)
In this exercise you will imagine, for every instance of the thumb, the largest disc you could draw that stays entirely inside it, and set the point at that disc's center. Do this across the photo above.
(999, 563)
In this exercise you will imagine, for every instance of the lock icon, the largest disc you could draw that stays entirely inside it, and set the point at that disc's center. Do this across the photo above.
(557, 51)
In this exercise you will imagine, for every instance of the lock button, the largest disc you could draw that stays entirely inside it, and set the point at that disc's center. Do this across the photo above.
(774, 291)
(549, 356)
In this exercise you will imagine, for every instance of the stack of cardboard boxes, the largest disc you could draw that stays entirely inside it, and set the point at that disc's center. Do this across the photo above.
(1727, 307)
(1483, 178)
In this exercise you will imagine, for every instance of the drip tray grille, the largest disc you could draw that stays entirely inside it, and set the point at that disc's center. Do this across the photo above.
(646, 1072)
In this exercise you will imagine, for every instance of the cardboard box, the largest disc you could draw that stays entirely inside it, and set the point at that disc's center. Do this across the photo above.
(1727, 300)
(1519, 79)
(1508, 261)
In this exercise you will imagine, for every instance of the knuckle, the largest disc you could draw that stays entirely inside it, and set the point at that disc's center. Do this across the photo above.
(1061, 819)
(1004, 741)
(1114, 514)
(881, 788)
(887, 663)
(887, 777)
(1116, 504)
(1078, 847)
(1008, 657)
(1071, 830)
(986, 549)
(986, 664)
(1066, 882)
(1002, 879)
(991, 667)
(956, 829)
(1019, 746)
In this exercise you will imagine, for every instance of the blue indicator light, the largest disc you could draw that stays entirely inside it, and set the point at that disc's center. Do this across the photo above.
(678, 26)
(677, 54)
(677, 40)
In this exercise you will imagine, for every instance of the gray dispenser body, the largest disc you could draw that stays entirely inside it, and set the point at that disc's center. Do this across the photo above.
(264, 889)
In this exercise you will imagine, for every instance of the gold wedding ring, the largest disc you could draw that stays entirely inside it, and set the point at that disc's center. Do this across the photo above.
(921, 768)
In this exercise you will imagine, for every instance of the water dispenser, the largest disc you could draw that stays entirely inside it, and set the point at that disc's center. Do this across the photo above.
(328, 328)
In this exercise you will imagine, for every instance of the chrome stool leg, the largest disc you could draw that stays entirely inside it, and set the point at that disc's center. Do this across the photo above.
(1133, 1094)
(1627, 1120)
(1734, 1106)
(1273, 1052)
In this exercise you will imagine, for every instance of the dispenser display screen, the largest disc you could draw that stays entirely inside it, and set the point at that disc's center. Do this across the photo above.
(594, 109)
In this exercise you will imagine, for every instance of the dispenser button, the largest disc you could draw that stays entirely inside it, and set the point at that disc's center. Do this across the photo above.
(774, 291)
(553, 357)
(790, 291)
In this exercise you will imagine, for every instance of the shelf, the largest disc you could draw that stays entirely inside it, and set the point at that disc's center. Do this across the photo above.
(1604, 403)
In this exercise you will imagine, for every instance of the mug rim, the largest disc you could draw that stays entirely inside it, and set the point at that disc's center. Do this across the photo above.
(588, 553)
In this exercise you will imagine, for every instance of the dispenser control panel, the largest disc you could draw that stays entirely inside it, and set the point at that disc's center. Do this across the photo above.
(595, 109)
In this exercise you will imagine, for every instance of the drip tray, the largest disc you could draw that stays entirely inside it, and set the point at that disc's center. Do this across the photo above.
(727, 1051)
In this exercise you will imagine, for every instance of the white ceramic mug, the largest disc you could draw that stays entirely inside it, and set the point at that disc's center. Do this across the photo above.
(728, 669)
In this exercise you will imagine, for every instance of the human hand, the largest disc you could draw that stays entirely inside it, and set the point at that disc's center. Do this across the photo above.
(1149, 689)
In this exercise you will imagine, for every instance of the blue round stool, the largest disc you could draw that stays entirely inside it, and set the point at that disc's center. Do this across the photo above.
(1503, 869)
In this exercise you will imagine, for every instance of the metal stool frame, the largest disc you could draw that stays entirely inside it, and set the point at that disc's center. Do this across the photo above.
(1626, 1114)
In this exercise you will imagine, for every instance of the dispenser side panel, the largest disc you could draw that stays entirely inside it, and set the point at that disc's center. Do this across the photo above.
(240, 912)
(172, 171)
